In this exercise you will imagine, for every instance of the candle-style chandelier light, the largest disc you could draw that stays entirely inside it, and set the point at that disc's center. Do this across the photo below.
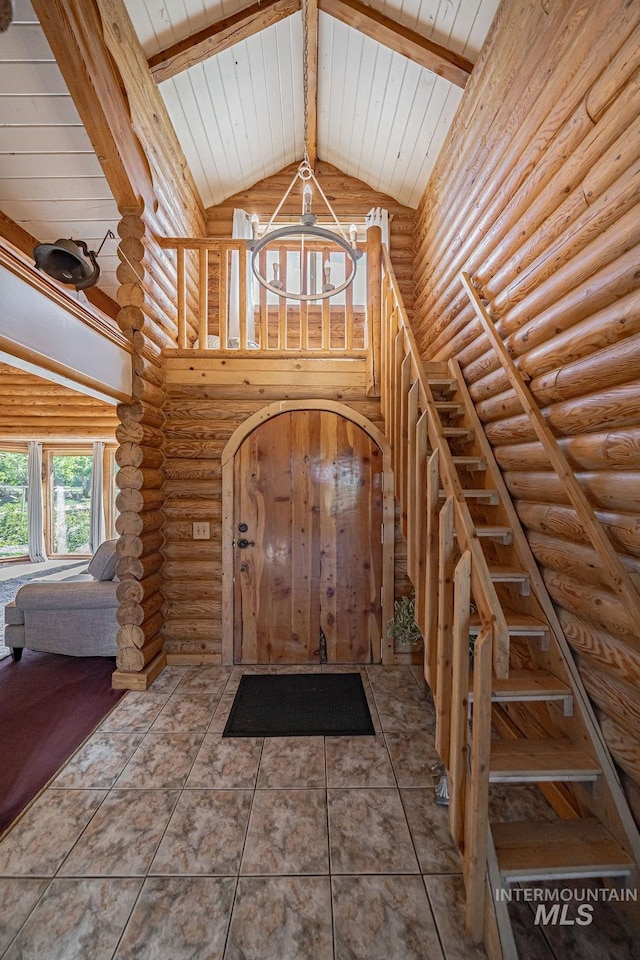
(314, 269)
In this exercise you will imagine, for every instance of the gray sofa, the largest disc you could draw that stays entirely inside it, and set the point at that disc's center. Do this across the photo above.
(75, 616)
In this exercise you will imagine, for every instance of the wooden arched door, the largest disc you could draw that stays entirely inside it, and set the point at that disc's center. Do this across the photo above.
(308, 511)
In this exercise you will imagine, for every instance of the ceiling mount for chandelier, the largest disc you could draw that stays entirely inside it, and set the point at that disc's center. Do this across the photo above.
(314, 266)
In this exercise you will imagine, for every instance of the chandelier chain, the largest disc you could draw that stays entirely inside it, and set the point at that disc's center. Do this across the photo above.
(305, 75)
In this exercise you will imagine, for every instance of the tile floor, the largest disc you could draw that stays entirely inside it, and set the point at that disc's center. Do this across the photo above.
(159, 840)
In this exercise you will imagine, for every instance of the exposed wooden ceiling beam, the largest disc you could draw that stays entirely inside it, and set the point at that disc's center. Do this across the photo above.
(25, 241)
(401, 39)
(219, 36)
(311, 117)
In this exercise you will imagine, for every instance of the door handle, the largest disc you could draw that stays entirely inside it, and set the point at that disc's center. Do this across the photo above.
(244, 543)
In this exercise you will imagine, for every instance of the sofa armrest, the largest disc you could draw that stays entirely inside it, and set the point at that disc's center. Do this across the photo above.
(63, 595)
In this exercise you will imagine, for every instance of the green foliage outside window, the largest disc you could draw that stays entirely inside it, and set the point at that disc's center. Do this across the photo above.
(14, 530)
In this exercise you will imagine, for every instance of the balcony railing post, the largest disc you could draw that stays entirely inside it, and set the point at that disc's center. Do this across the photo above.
(374, 312)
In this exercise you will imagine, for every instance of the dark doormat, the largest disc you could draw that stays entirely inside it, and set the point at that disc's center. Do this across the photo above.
(300, 705)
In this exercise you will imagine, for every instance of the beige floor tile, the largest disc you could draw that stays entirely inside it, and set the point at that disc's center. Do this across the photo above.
(135, 713)
(76, 919)
(123, 837)
(446, 895)
(163, 760)
(412, 755)
(205, 834)
(368, 832)
(179, 918)
(226, 763)
(168, 679)
(99, 762)
(285, 918)
(205, 680)
(18, 897)
(287, 833)
(429, 826)
(292, 762)
(186, 713)
(358, 762)
(42, 838)
(383, 918)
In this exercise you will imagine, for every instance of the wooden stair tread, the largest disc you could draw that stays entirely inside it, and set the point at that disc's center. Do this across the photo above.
(507, 574)
(564, 848)
(481, 493)
(449, 406)
(518, 624)
(525, 760)
(491, 531)
(457, 433)
(529, 685)
(442, 382)
(472, 463)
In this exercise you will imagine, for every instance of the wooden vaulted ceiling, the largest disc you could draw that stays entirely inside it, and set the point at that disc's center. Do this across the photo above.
(226, 107)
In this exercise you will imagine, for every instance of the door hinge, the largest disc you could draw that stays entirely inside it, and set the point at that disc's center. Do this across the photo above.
(382, 533)
(382, 596)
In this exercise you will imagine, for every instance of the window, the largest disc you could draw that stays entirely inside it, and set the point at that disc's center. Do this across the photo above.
(70, 503)
(14, 525)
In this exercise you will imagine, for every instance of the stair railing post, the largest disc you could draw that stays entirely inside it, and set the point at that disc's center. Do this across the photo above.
(430, 630)
(442, 692)
(459, 696)
(477, 795)
(374, 303)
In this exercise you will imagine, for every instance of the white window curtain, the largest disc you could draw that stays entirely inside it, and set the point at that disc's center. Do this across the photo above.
(241, 231)
(379, 217)
(35, 506)
(96, 516)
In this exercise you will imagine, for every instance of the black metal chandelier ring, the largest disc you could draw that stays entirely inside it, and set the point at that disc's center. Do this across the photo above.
(306, 231)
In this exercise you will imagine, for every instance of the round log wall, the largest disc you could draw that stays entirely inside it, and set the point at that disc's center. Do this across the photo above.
(536, 196)
(148, 316)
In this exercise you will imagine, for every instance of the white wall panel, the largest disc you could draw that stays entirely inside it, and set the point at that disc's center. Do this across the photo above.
(50, 180)
(239, 115)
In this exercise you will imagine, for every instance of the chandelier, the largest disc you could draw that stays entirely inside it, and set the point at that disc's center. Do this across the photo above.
(311, 241)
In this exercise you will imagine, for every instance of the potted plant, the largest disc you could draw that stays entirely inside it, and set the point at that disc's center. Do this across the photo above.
(402, 628)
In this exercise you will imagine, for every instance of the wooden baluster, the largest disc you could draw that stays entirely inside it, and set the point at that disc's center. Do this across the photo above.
(374, 303)
(420, 519)
(182, 301)
(412, 507)
(326, 308)
(203, 298)
(282, 302)
(396, 413)
(262, 334)
(477, 799)
(445, 616)
(430, 631)
(459, 696)
(242, 298)
(403, 438)
(348, 312)
(224, 297)
(304, 304)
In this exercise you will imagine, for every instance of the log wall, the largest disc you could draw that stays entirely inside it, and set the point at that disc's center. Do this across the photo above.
(349, 198)
(32, 408)
(536, 196)
(199, 420)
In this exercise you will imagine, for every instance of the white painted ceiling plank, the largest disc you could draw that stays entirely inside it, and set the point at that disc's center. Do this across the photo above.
(16, 166)
(54, 188)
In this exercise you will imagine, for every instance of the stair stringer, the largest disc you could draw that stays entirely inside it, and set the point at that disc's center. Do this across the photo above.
(609, 804)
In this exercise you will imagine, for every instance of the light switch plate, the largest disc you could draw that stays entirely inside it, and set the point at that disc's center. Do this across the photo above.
(201, 531)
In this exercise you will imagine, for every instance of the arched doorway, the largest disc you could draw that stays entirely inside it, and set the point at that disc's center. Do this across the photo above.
(308, 543)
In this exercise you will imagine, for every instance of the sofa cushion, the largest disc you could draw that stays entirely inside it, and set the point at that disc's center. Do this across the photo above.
(103, 562)
(12, 615)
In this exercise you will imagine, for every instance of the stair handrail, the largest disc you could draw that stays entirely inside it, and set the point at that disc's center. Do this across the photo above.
(620, 579)
(491, 612)
(468, 759)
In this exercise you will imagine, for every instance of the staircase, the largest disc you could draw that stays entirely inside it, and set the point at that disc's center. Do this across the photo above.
(510, 705)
